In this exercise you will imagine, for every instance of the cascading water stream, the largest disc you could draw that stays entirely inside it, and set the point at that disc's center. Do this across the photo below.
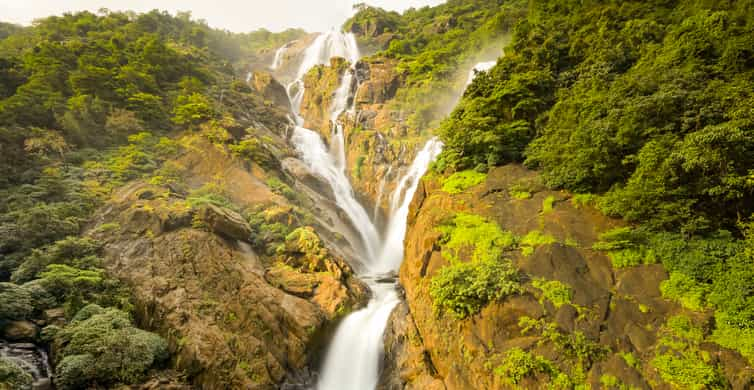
(278, 59)
(353, 357)
(352, 360)
(330, 165)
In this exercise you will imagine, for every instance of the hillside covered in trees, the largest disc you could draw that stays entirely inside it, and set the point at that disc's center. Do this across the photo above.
(589, 222)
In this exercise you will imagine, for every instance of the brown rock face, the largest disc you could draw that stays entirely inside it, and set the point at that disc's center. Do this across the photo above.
(618, 311)
(321, 82)
(199, 285)
(225, 222)
(20, 331)
(265, 84)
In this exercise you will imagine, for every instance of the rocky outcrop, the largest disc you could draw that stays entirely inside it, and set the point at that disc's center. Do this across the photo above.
(616, 311)
(270, 88)
(20, 331)
(320, 84)
(230, 317)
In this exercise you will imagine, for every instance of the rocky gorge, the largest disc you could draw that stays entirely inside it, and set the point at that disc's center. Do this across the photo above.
(349, 210)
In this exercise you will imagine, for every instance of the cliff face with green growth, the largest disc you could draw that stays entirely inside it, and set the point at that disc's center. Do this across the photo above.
(504, 288)
(159, 230)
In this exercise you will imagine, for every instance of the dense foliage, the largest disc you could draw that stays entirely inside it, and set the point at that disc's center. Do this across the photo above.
(432, 44)
(89, 102)
(648, 104)
(478, 273)
(102, 346)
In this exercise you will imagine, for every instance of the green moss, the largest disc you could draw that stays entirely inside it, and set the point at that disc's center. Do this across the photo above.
(581, 200)
(519, 364)
(470, 232)
(461, 181)
(681, 362)
(464, 288)
(731, 335)
(534, 239)
(547, 204)
(554, 291)
(685, 290)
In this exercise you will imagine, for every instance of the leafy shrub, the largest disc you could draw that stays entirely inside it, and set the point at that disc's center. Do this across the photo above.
(102, 346)
(554, 291)
(461, 181)
(464, 288)
(573, 345)
(12, 376)
(72, 250)
(681, 362)
(253, 149)
(15, 302)
(731, 333)
(518, 364)
(685, 290)
(626, 247)
(192, 109)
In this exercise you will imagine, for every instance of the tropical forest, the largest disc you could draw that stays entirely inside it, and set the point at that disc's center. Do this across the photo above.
(468, 194)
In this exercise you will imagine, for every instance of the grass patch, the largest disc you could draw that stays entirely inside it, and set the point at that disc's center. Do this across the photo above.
(461, 181)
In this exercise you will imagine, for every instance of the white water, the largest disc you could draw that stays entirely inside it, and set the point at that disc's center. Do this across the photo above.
(480, 67)
(352, 361)
(279, 56)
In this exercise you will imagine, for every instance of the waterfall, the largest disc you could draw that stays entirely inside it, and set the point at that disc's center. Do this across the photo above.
(392, 249)
(278, 59)
(352, 360)
(330, 164)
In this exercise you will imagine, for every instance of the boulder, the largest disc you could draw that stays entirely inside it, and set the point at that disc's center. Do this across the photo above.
(20, 331)
(270, 88)
(225, 222)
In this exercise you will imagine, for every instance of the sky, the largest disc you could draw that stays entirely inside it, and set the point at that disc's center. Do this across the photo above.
(233, 15)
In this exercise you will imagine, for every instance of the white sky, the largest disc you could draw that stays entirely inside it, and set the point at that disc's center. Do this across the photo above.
(234, 15)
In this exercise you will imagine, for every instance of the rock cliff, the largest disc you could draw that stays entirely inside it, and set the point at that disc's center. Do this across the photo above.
(606, 328)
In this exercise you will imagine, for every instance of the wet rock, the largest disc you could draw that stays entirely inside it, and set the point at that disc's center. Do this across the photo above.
(55, 316)
(20, 331)
(225, 222)
(272, 90)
